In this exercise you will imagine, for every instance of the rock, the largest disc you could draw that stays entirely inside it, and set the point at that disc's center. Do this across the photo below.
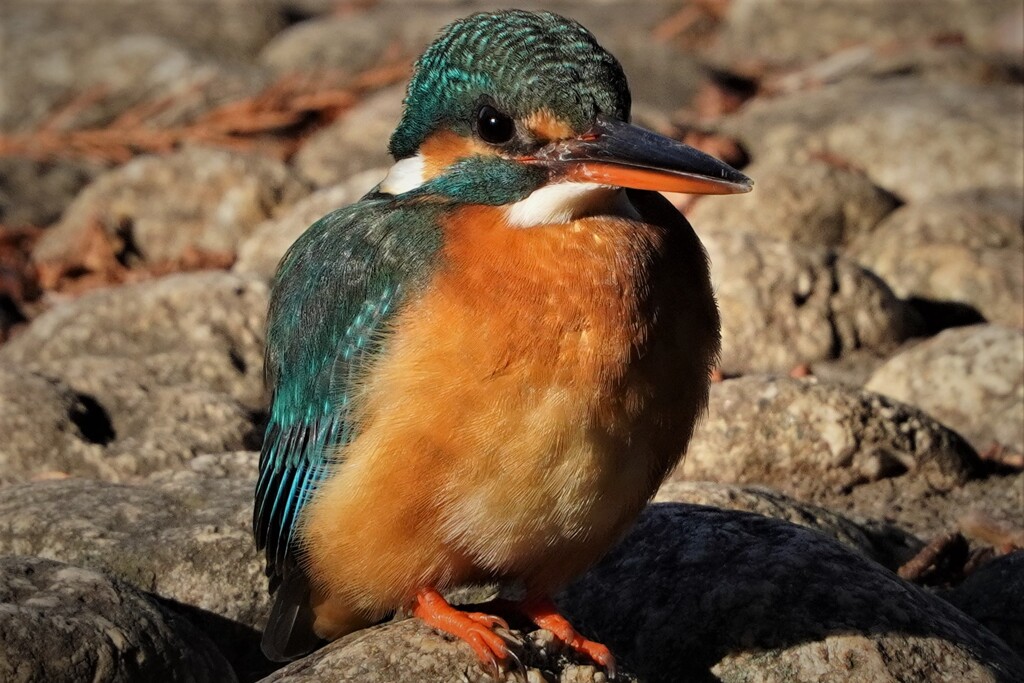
(913, 138)
(192, 330)
(967, 251)
(994, 595)
(970, 378)
(793, 30)
(34, 193)
(48, 430)
(815, 440)
(810, 203)
(409, 650)
(186, 539)
(65, 623)
(260, 253)
(887, 545)
(695, 593)
(157, 208)
(174, 425)
(106, 73)
(356, 142)
(784, 304)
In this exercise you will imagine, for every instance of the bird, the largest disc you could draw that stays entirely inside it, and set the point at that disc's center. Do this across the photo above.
(482, 370)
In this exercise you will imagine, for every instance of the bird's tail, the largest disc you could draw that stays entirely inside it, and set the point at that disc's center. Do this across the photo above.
(289, 631)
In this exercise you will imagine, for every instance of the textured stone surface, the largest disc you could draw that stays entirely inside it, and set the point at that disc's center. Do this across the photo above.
(966, 250)
(156, 208)
(788, 30)
(64, 623)
(811, 439)
(36, 193)
(886, 544)
(994, 595)
(409, 650)
(200, 330)
(809, 203)
(784, 304)
(108, 72)
(261, 252)
(47, 428)
(912, 138)
(186, 539)
(356, 142)
(970, 378)
(694, 592)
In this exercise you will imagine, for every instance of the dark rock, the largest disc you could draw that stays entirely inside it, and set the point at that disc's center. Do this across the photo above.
(699, 594)
(34, 193)
(64, 623)
(994, 595)
(888, 545)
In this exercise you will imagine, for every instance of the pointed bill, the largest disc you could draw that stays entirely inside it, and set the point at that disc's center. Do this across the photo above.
(619, 154)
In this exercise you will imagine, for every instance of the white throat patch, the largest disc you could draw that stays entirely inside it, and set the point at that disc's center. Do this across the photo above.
(405, 175)
(565, 202)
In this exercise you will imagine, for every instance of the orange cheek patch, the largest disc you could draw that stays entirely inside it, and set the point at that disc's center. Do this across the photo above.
(546, 126)
(444, 148)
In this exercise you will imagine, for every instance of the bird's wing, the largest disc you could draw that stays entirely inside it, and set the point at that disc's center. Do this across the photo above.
(336, 290)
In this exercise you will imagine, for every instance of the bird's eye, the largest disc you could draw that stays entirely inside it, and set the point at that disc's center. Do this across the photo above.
(493, 126)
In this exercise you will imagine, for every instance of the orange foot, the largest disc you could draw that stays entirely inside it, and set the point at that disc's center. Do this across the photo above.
(476, 628)
(543, 612)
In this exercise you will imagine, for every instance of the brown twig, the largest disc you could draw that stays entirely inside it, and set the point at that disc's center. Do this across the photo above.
(949, 548)
(1001, 455)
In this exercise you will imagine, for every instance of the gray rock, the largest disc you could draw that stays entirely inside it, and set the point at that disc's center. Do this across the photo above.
(913, 138)
(260, 253)
(186, 539)
(157, 208)
(65, 623)
(109, 71)
(994, 595)
(784, 304)
(695, 593)
(810, 203)
(356, 142)
(887, 545)
(47, 429)
(966, 250)
(196, 330)
(784, 31)
(815, 440)
(409, 650)
(970, 378)
(34, 193)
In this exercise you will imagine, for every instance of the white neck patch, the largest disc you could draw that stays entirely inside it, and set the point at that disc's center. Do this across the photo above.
(405, 175)
(565, 202)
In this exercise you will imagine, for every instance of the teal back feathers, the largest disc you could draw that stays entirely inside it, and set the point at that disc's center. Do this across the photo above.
(524, 61)
(335, 291)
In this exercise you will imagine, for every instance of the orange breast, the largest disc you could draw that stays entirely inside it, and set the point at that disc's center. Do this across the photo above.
(532, 397)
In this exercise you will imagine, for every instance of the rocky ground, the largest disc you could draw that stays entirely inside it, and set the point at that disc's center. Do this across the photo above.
(851, 509)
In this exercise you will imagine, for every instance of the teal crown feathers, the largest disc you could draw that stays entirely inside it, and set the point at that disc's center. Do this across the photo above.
(520, 62)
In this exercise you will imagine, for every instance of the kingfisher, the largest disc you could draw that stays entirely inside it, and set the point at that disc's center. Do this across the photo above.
(483, 369)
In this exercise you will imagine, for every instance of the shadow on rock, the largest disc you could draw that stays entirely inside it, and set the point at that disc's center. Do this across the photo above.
(700, 594)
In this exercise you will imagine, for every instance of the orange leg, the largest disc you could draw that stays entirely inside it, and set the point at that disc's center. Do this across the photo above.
(542, 611)
(476, 628)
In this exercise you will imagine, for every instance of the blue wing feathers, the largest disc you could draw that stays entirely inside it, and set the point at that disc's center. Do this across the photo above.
(335, 292)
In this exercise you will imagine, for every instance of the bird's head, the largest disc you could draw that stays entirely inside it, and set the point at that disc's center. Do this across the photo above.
(505, 104)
